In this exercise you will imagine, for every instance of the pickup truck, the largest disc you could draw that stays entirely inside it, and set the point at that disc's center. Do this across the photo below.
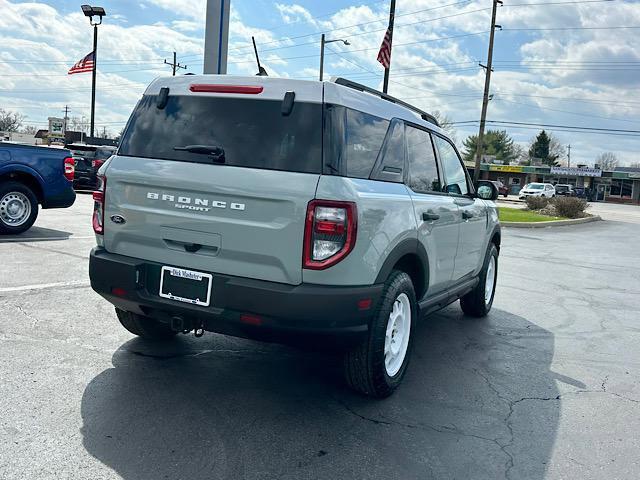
(32, 176)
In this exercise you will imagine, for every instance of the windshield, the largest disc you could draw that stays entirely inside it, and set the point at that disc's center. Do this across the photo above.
(535, 186)
(251, 133)
(562, 188)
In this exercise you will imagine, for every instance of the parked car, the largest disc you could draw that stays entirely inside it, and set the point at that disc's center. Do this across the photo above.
(502, 188)
(537, 190)
(579, 192)
(88, 159)
(32, 176)
(291, 211)
(564, 190)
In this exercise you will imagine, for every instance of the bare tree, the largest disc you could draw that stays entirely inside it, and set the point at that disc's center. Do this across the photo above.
(607, 161)
(29, 130)
(446, 124)
(635, 165)
(10, 121)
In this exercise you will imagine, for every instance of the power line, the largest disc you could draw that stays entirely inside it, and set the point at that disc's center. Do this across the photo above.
(548, 125)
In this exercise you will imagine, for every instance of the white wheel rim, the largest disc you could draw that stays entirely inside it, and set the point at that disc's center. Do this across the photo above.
(490, 281)
(15, 209)
(396, 339)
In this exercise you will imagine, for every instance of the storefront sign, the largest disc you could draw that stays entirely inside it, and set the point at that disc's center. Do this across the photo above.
(577, 172)
(506, 168)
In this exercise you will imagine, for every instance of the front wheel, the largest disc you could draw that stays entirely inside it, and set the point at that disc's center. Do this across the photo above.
(145, 327)
(18, 208)
(478, 302)
(376, 366)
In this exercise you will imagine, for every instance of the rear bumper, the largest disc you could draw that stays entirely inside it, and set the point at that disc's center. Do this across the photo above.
(63, 199)
(240, 306)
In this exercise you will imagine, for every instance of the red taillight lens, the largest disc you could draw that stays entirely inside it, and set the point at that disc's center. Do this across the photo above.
(69, 168)
(97, 163)
(329, 234)
(98, 205)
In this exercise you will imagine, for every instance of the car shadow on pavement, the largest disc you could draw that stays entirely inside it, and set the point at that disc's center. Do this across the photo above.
(37, 234)
(478, 401)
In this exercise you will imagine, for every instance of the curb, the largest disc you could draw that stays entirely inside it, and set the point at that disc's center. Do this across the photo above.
(553, 223)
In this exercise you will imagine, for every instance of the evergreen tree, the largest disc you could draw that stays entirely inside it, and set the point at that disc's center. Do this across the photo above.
(497, 143)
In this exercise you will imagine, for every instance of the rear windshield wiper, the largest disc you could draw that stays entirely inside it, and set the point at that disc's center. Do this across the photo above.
(216, 152)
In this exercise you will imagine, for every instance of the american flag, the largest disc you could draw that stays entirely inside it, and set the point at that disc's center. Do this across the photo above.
(83, 66)
(384, 55)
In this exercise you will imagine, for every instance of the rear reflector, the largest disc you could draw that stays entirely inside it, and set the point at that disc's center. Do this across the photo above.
(364, 304)
(120, 292)
(246, 89)
(250, 319)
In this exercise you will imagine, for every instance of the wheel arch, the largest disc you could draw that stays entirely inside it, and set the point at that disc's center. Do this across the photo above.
(27, 179)
(410, 257)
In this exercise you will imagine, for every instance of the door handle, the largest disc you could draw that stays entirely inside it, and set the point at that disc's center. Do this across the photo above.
(466, 214)
(429, 216)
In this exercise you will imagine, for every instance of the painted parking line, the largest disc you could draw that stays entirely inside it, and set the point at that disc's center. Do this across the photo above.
(45, 239)
(44, 286)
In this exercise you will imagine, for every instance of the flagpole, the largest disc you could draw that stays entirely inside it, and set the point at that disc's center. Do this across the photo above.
(392, 13)
(93, 83)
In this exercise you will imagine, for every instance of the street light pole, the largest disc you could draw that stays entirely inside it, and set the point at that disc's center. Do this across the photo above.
(93, 82)
(323, 42)
(321, 56)
(91, 12)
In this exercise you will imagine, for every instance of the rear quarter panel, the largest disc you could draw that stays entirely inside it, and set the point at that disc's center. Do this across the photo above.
(385, 218)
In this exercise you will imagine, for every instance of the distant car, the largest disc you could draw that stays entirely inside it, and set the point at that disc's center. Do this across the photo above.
(502, 188)
(537, 190)
(88, 159)
(580, 192)
(565, 190)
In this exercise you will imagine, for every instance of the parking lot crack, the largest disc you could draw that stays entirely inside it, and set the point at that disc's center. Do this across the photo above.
(34, 320)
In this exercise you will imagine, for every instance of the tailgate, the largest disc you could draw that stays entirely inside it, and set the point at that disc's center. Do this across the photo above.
(214, 218)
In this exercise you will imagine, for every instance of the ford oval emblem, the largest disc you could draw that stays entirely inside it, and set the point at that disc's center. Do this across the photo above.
(119, 219)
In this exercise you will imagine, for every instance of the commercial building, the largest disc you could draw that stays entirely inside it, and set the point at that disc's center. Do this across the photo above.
(621, 185)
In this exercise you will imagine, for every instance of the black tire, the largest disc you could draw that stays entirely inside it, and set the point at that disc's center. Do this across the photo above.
(474, 303)
(145, 327)
(21, 189)
(364, 366)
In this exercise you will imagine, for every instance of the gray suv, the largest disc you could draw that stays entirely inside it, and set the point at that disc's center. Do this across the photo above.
(291, 211)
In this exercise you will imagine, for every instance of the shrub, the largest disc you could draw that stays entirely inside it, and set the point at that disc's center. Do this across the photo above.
(537, 203)
(570, 207)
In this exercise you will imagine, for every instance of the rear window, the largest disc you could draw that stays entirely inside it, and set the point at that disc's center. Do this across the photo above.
(253, 133)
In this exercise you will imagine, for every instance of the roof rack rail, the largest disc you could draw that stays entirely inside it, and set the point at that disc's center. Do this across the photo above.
(363, 88)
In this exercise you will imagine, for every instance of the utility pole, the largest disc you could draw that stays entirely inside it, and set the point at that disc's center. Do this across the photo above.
(66, 117)
(175, 65)
(392, 14)
(485, 97)
(569, 156)
(104, 132)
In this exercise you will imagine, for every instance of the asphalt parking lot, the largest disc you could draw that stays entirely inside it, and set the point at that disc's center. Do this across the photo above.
(548, 386)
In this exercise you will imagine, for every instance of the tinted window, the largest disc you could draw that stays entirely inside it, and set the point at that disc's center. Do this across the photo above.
(423, 170)
(455, 177)
(365, 134)
(391, 164)
(253, 133)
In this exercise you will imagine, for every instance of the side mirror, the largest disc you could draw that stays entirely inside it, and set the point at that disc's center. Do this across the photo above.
(487, 190)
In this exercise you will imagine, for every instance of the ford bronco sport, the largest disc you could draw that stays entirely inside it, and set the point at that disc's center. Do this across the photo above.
(284, 210)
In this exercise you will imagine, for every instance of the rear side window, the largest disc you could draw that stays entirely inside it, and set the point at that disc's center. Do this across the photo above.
(456, 179)
(365, 134)
(423, 170)
(253, 133)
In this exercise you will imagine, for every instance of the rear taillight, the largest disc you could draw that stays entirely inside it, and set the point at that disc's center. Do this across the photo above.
(329, 233)
(97, 163)
(98, 205)
(69, 168)
(244, 89)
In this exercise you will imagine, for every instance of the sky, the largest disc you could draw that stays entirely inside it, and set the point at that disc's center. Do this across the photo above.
(567, 63)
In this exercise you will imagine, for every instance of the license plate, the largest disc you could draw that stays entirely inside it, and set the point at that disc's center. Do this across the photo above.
(186, 286)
